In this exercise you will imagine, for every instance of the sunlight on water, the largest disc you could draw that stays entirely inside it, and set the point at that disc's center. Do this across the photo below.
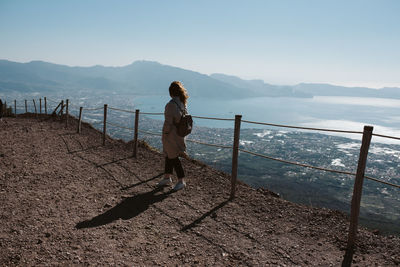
(358, 101)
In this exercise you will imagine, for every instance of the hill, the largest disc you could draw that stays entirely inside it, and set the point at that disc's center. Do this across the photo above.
(68, 200)
(139, 78)
(152, 78)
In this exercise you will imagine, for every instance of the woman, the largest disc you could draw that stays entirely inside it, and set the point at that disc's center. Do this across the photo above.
(174, 145)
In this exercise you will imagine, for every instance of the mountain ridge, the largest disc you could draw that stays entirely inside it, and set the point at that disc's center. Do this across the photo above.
(144, 77)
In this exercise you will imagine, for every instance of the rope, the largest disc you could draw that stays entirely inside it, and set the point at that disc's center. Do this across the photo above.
(140, 131)
(124, 110)
(296, 163)
(207, 144)
(189, 140)
(208, 118)
(150, 113)
(91, 109)
(380, 181)
(387, 136)
(120, 126)
(317, 168)
(303, 128)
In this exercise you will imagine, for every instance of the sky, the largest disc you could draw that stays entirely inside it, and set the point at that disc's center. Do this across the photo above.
(349, 42)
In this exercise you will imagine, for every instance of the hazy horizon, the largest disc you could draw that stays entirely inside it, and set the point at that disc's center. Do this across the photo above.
(244, 78)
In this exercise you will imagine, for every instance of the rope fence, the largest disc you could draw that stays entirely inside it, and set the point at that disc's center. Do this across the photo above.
(151, 113)
(189, 140)
(208, 144)
(93, 109)
(359, 175)
(380, 181)
(295, 163)
(314, 167)
(302, 128)
(208, 118)
(386, 136)
(123, 110)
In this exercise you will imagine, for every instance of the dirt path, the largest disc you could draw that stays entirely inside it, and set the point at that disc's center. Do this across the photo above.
(65, 199)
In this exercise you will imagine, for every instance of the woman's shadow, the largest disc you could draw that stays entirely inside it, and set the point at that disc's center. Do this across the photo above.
(127, 209)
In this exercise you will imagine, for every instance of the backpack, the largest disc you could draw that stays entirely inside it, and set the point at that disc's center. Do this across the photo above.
(185, 125)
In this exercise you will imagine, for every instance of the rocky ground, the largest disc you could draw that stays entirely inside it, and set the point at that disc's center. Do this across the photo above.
(68, 200)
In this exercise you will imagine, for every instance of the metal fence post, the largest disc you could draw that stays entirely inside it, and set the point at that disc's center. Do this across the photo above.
(357, 190)
(26, 106)
(45, 105)
(135, 138)
(235, 154)
(80, 120)
(105, 124)
(40, 106)
(15, 108)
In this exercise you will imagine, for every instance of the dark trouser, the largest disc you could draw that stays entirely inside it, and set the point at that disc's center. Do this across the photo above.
(171, 164)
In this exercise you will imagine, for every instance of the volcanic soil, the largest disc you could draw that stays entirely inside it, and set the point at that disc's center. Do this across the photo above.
(68, 200)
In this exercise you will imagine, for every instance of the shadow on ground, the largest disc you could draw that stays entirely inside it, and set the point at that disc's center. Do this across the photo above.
(127, 209)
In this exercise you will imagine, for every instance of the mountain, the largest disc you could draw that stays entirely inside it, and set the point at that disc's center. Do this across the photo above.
(306, 89)
(140, 77)
(260, 88)
(153, 78)
(334, 90)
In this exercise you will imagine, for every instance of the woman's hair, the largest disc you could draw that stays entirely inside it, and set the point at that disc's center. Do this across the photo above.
(176, 89)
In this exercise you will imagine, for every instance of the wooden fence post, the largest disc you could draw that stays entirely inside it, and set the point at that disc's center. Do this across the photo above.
(80, 119)
(55, 110)
(62, 108)
(15, 108)
(40, 106)
(357, 190)
(135, 138)
(34, 104)
(105, 124)
(26, 106)
(235, 154)
(67, 113)
(45, 105)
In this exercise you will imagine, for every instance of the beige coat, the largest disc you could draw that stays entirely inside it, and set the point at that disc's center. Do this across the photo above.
(173, 144)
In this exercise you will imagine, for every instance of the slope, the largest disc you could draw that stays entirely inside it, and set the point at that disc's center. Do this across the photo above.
(68, 200)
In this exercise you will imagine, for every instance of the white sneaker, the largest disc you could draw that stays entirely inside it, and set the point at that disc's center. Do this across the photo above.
(179, 186)
(164, 182)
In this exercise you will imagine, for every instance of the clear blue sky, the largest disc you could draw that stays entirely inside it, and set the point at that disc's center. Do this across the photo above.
(282, 42)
